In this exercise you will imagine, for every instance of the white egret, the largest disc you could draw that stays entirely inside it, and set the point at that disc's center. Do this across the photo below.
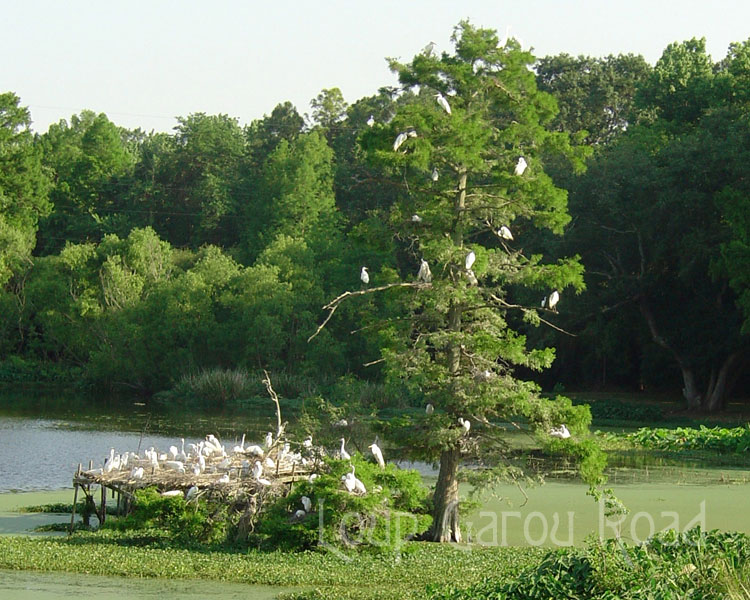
(306, 503)
(341, 423)
(175, 465)
(257, 470)
(136, 473)
(470, 258)
(109, 463)
(223, 479)
(505, 233)
(424, 273)
(443, 102)
(520, 166)
(554, 298)
(435, 175)
(427, 50)
(465, 424)
(173, 452)
(269, 462)
(371, 121)
(196, 469)
(172, 493)
(429, 409)
(348, 480)
(202, 462)
(544, 301)
(240, 448)
(182, 455)
(416, 219)
(364, 276)
(299, 514)
(472, 278)
(343, 454)
(400, 139)
(269, 440)
(191, 493)
(411, 133)
(377, 453)
(561, 432)
(255, 450)
(163, 456)
(359, 487)
(312, 477)
(308, 442)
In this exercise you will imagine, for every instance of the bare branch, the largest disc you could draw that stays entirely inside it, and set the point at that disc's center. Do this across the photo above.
(545, 321)
(275, 398)
(373, 362)
(334, 304)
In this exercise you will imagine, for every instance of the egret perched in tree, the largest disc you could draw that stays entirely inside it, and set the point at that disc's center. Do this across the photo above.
(561, 432)
(429, 409)
(471, 277)
(465, 424)
(377, 453)
(520, 166)
(505, 233)
(416, 219)
(544, 301)
(364, 276)
(435, 175)
(371, 121)
(443, 102)
(306, 503)
(400, 139)
(470, 258)
(411, 133)
(427, 50)
(269, 440)
(343, 454)
(424, 273)
(554, 298)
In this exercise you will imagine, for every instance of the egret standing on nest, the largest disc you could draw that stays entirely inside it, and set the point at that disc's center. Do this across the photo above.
(343, 454)
(520, 166)
(424, 273)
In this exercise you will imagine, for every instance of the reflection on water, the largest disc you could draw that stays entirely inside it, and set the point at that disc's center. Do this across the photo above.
(15, 585)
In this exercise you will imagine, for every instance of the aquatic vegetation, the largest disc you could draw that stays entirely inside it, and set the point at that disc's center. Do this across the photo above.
(718, 439)
(693, 564)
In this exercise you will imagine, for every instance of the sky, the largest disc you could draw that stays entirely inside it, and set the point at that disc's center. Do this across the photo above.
(146, 62)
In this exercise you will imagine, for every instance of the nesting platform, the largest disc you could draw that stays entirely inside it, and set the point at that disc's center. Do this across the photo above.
(223, 476)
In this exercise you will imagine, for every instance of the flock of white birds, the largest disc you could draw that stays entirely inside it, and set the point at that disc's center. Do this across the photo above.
(208, 464)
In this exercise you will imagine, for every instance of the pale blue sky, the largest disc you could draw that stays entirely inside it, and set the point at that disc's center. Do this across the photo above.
(144, 62)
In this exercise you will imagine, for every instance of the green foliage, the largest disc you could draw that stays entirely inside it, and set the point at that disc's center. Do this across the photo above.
(392, 512)
(617, 410)
(188, 523)
(693, 564)
(717, 439)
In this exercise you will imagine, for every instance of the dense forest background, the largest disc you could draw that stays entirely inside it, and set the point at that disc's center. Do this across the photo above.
(130, 259)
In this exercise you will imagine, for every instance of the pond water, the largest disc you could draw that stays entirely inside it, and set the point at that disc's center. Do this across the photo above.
(24, 585)
(43, 439)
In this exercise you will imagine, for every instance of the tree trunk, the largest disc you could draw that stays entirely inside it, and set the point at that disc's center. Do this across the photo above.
(690, 388)
(445, 527)
(716, 394)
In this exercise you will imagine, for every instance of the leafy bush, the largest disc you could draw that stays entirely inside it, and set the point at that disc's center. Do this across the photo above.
(736, 440)
(15, 369)
(693, 564)
(393, 510)
(198, 521)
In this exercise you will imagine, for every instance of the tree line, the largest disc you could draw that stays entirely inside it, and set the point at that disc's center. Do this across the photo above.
(139, 257)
